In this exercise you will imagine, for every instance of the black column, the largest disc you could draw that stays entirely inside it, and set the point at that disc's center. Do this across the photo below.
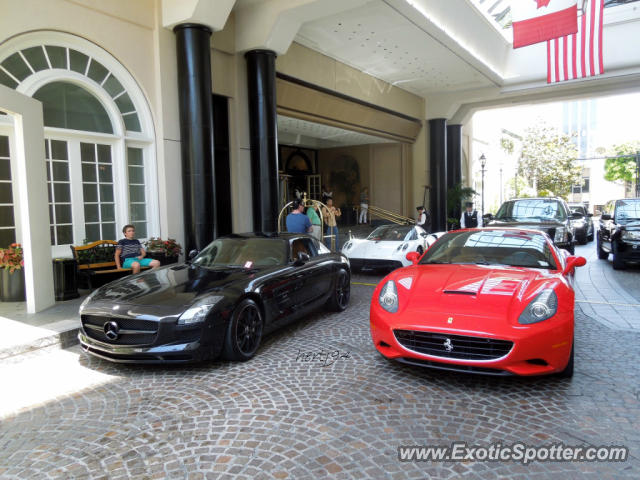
(263, 129)
(454, 162)
(438, 167)
(196, 134)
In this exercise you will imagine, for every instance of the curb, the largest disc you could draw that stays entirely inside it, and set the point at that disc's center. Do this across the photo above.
(56, 341)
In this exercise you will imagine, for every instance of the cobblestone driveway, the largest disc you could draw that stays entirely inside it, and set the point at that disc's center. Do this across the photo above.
(278, 416)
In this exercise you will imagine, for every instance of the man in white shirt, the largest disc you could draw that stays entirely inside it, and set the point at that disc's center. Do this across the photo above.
(470, 218)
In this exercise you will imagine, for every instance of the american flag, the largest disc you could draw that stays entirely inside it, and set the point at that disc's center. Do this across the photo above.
(578, 55)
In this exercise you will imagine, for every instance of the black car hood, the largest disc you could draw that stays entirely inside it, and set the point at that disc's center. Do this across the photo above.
(175, 286)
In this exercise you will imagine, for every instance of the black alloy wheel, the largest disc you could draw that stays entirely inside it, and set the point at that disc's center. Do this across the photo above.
(244, 332)
(341, 292)
(602, 255)
(618, 262)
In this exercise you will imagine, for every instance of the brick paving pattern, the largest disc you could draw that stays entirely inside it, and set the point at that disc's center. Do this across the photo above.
(281, 417)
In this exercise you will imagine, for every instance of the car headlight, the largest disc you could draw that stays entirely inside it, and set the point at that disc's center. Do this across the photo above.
(347, 246)
(388, 298)
(544, 306)
(197, 313)
(402, 246)
(561, 235)
(627, 235)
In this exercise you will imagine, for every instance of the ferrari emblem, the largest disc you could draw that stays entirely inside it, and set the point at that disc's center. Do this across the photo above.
(447, 345)
(450, 320)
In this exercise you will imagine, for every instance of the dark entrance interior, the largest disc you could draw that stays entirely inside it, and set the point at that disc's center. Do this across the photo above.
(222, 164)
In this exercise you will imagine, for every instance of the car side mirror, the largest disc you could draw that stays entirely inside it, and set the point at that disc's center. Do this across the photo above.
(413, 257)
(589, 215)
(302, 259)
(605, 216)
(192, 254)
(573, 262)
(576, 215)
(424, 234)
(488, 216)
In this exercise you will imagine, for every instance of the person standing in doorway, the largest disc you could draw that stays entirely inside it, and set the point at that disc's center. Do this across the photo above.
(297, 221)
(331, 212)
(470, 218)
(364, 205)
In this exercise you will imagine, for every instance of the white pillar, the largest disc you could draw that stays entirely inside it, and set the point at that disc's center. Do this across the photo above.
(30, 196)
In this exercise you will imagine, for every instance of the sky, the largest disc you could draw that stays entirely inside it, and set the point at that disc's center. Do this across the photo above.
(616, 121)
(613, 120)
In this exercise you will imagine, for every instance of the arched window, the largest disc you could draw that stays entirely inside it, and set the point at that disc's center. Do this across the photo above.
(99, 140)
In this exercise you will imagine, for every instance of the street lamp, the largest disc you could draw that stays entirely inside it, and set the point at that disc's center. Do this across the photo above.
(483, 163)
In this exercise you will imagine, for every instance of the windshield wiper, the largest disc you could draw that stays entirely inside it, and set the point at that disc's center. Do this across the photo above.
(435, 262)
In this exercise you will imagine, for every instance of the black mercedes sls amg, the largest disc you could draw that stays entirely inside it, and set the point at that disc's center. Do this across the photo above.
(220, 303)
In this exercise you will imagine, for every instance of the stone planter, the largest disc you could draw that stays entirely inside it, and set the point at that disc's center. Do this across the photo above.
(12, 286)
(162, 258)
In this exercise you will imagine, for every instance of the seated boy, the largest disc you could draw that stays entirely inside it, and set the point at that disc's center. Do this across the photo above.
(130, 254)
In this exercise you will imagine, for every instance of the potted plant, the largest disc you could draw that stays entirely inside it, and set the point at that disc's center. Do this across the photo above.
(12, 274)
(165, 251)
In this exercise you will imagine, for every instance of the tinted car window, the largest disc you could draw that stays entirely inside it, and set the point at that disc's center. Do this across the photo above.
(242, 252)
(492, 247)
(532, 209)
(578, 209)
(627, 210)
(394, 233)
(302, 245)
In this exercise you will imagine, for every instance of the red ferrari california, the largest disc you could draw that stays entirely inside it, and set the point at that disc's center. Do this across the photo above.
(495, 301)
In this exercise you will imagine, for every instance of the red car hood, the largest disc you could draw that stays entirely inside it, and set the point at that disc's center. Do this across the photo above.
(469, 293)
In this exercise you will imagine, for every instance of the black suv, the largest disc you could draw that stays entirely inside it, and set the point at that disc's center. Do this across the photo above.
(549, 215)
(619, 232)
(582, 226)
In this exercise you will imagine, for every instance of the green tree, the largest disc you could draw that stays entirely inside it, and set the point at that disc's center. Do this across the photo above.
(547, 161)
(622, 168)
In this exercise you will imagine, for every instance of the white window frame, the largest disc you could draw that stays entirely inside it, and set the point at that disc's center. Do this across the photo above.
(120, 140)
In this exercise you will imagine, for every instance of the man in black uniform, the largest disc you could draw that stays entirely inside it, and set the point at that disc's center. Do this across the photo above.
(424, 219)
(470, 218)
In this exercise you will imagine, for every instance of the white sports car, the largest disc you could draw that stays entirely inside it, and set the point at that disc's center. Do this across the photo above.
(387, 247)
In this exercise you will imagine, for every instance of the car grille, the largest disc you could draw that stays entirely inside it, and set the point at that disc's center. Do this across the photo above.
(131, 331)
(460, 347)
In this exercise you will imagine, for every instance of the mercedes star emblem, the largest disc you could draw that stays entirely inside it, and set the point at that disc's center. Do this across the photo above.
(111, 330)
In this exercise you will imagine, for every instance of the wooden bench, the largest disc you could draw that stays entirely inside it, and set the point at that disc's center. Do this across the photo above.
(96, 263)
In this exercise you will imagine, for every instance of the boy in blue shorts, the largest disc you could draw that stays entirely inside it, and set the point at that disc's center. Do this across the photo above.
(130, 254)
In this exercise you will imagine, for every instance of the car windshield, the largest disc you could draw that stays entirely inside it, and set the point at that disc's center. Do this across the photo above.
(393, 233)
(242, 252)
(578, 209)
(528, 209)
(628, 210)
(492, 247)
